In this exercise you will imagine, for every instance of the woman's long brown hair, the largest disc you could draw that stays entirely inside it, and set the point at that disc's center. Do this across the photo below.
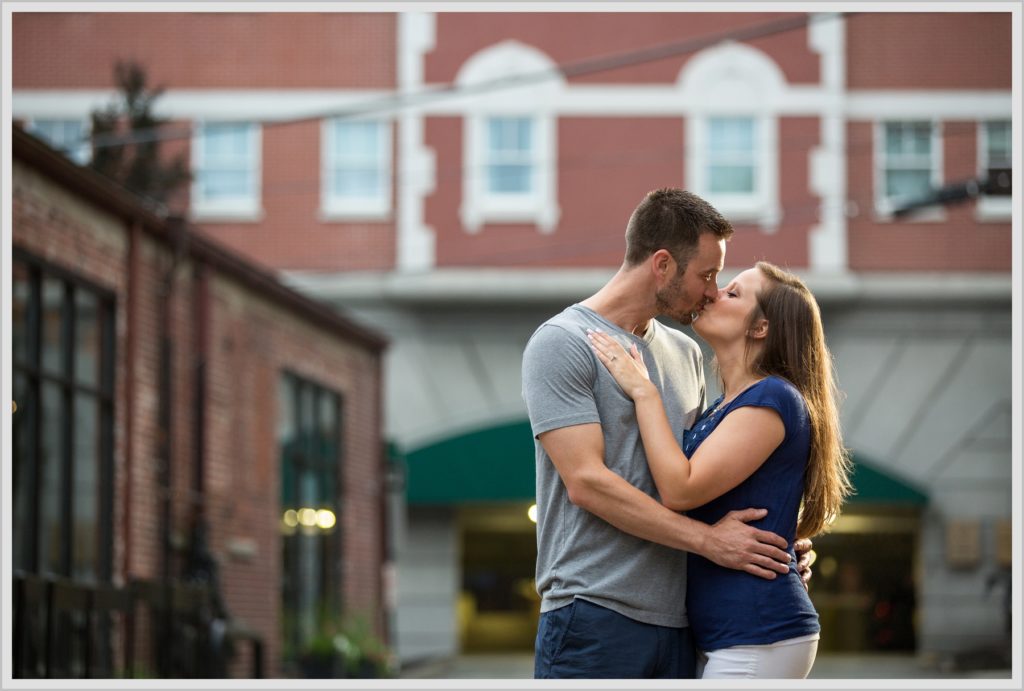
(795, 349)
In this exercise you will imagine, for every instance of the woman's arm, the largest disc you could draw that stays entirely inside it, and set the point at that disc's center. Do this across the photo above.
(731, 454)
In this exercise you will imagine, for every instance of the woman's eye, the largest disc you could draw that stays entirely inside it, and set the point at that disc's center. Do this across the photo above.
(731, 294)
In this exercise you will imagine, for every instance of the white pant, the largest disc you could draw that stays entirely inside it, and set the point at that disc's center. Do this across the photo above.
(788, 659)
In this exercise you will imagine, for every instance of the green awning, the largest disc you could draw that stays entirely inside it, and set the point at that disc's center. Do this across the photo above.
(497, 464)
(493, 464)
(875, 486)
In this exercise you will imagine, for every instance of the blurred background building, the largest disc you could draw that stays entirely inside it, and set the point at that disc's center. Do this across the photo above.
(453, 179)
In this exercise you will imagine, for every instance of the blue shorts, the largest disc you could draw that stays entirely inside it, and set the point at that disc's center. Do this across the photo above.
(586, 641)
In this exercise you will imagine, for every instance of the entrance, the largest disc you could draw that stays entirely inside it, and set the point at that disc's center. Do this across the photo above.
(498, 601)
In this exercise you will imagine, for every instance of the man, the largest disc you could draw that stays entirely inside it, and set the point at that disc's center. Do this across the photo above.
(611, 560)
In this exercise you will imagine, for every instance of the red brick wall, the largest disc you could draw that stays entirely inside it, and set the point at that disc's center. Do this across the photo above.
(251, 341)
(956, 243)
(571, 37)
(236, 50)
(929, 50)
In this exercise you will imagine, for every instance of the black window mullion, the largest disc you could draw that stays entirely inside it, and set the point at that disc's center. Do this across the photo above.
(68, 404)
(35, 425)
(105, 531)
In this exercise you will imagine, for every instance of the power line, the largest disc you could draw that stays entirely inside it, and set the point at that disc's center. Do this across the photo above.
(593, 65)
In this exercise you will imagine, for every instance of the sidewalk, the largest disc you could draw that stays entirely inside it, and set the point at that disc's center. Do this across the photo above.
(835, 666)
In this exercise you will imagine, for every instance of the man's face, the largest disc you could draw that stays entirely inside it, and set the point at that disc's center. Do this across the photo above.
(687, 292)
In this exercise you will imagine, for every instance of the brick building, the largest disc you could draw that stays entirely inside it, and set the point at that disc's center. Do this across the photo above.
(176, 403)
(457, 177)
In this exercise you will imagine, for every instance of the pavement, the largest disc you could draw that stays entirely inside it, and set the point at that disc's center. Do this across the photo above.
(826, 666)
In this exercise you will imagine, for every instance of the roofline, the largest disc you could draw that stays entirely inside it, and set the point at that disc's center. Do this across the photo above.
(152, 218)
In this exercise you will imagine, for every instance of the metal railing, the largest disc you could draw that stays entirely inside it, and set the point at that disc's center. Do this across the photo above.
(68, 629)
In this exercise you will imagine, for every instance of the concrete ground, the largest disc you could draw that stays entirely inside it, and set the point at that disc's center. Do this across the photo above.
(834, 666)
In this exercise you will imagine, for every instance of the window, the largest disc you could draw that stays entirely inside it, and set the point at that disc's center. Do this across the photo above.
(732, 93)
(510, 160)
(68, 136)
(732, 162)
(995, 164)
(907, 165)
(732, 156)
(309, 433)
(226, 159)
(509, 140)
(62, 446)
(356, 168)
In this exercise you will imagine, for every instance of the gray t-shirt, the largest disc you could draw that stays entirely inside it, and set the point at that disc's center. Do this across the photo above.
(564, 384)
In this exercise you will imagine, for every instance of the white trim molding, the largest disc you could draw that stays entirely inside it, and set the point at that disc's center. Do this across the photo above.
(539, 206)
(734, 80)
(416, 166)
(827, 250)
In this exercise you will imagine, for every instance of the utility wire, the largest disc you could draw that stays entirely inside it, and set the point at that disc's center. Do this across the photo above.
(397, 101)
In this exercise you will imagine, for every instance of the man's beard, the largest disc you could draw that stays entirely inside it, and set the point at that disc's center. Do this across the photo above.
(668, 296)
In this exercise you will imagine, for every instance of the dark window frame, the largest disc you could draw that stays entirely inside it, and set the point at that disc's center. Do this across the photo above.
(298, 387)
(36, 376)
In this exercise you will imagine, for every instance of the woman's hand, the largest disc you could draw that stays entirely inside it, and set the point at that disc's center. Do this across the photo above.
(628, 369)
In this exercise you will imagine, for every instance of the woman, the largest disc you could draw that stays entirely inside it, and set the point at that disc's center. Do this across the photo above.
(772, 440)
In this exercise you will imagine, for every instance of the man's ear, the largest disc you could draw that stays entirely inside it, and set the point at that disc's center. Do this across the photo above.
(663, 264)
(759, 329)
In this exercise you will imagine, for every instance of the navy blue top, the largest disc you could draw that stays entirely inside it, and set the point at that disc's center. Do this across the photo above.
(727, 607)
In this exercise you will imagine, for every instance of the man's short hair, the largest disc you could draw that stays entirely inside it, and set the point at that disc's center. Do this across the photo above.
(672, 219)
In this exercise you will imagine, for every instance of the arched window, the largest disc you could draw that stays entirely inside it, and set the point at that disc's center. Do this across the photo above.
(509, 144)
(732, 92)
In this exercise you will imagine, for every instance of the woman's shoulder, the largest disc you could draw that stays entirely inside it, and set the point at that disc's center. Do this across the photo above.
(778, 390)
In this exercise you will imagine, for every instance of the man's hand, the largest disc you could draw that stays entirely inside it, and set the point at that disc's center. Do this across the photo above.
(734, 544)
(805, 557)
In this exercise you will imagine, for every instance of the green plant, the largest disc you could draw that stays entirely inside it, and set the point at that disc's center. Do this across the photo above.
(343, 646)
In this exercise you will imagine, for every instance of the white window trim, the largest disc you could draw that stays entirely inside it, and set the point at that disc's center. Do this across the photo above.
(883, 206)
(228, 210)
(723, 81)
(479, 207)
(334, 208)
(987, 208)
(760, 207)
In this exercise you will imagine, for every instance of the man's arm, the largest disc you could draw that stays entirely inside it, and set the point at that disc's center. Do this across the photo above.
(578, 454)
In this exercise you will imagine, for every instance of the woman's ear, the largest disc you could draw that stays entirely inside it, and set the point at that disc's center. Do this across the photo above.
(759, 329)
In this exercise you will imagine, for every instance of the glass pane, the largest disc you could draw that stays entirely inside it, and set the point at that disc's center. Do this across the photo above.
(23, 460)
(225, 142)
(52, 471)
(731, 179)
(509, 134)
(999, 144)
(53, 325)
(731, 135)
(509, 179)
(907, 183)
(356, 139)
(85, 488)
(87, 338)
(219, 184)
(921, 134)
(357, 183)
(21, 301)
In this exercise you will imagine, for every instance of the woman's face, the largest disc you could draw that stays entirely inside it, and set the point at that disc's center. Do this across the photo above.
(727, 317)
